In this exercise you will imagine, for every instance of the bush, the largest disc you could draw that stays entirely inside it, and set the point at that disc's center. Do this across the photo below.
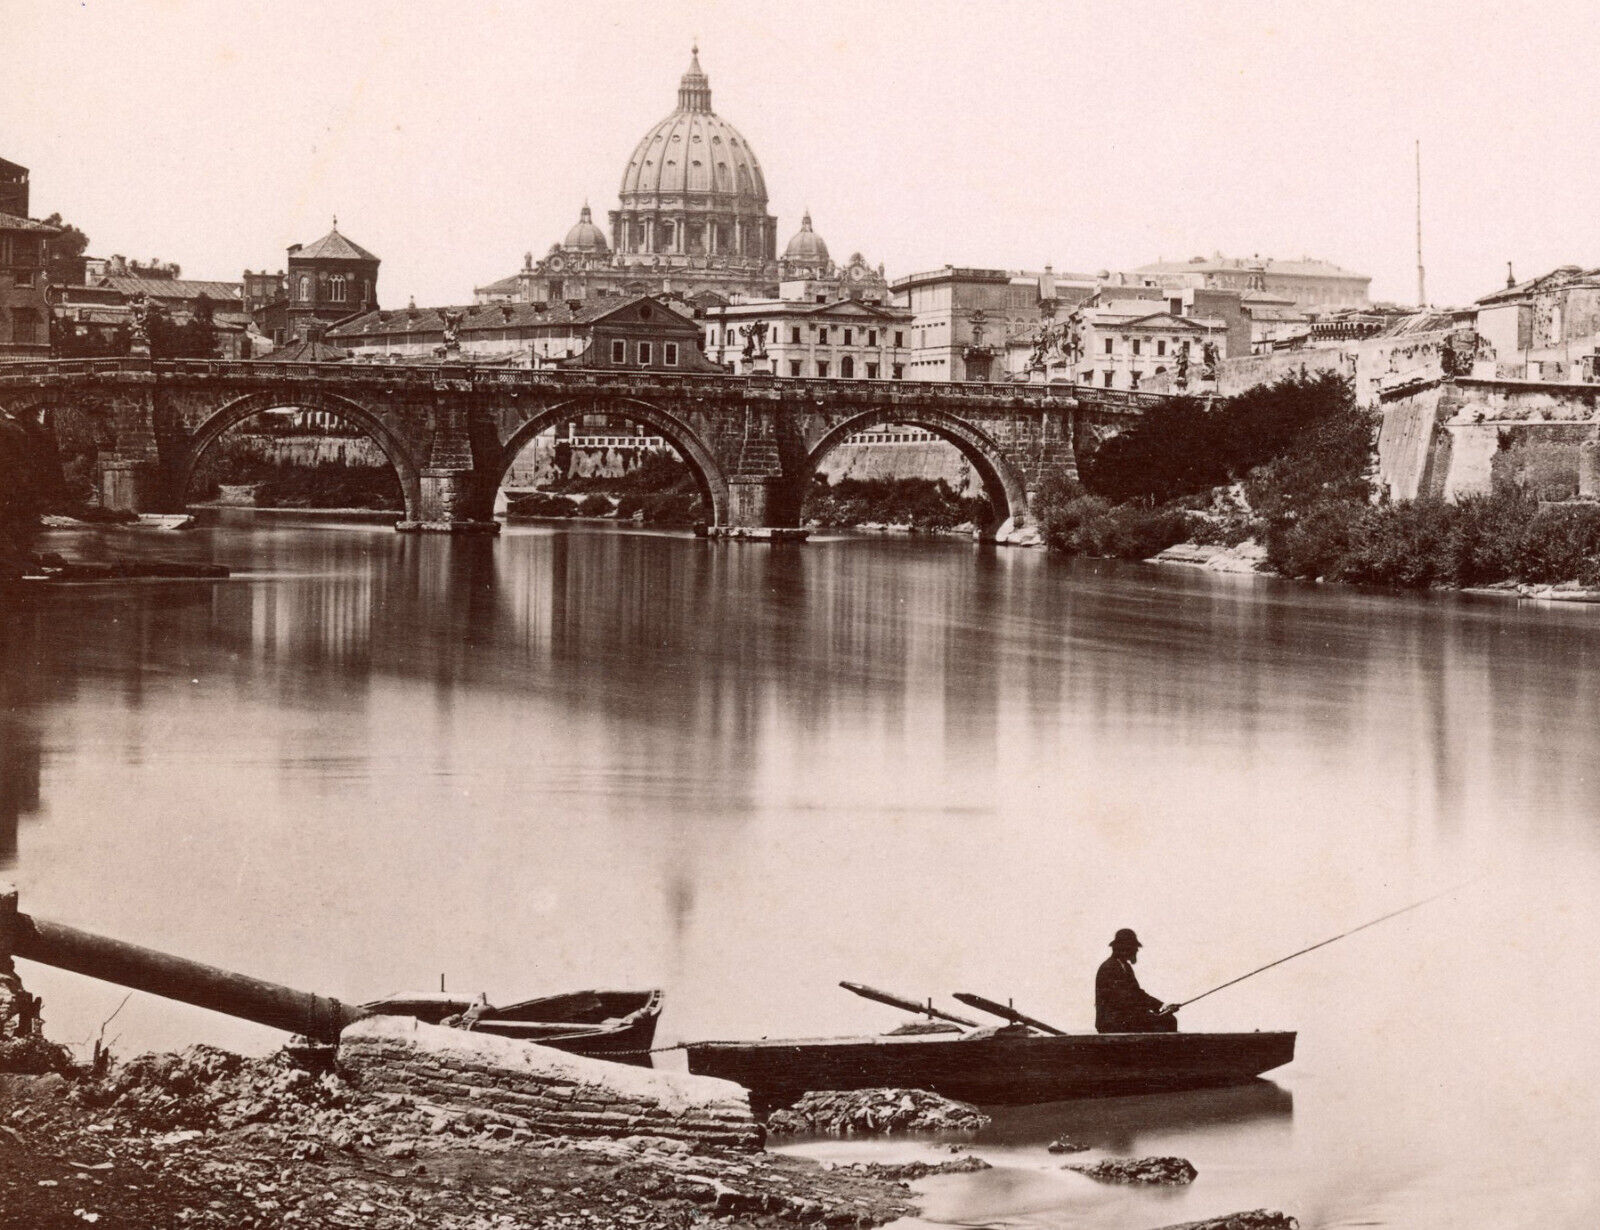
(594, 506)
(1087, 525)
(923, 503)
(1180, 447)
(1481, 541)
(662, 508)
(540, 504)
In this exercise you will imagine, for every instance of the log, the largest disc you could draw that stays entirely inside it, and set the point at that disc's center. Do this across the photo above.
(189, 982)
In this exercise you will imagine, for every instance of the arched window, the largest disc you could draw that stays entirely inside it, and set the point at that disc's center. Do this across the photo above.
(847, 367)
(336, 288)
(305, 288)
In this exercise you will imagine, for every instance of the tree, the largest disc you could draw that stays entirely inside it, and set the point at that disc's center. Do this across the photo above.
(64, 259)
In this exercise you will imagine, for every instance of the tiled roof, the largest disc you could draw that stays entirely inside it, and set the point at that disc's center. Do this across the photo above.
(10, 222)
(1564, 275)
(333, 246)
(1236, 264)
(175, 288)
(504, 286)
(304, 351)
(484, 317)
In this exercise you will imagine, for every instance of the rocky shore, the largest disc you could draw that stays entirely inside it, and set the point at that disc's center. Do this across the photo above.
(205, 1138)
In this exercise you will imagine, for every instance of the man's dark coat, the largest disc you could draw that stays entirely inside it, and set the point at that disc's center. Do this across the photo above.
(1120, 1006)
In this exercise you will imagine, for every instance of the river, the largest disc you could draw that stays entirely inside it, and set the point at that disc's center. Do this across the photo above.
(577, 757)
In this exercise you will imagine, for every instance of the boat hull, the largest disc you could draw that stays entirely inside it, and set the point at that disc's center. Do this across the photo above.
(616, 1025)
(995, 1069)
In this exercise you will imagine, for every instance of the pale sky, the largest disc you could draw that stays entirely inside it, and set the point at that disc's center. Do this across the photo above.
(451, 137)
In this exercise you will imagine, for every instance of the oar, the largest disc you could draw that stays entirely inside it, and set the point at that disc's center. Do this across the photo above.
(909, 1005)
(1005, 1011)
(1320, 944)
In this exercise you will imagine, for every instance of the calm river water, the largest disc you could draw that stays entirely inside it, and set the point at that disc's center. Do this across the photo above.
(580, 757)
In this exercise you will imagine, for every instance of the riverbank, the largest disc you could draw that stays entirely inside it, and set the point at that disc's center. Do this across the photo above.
(207, 1139)
(1287, 469)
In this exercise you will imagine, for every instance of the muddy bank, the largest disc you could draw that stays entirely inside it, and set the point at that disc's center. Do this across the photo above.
(206, 1138)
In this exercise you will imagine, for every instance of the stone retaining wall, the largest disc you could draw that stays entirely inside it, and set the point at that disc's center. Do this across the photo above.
(544, 1090)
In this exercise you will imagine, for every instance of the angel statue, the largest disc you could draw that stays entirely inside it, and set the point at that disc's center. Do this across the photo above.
(755, 339)
(1208, 356)
(1072, 340)
(1181, 380)
(452, 328)
(139, 319)
(1044, 341)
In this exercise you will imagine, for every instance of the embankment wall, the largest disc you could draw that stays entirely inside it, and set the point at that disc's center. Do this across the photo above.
(544, 1090)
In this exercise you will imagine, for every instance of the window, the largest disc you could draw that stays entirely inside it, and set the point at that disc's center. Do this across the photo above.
(794, 337)
(822, 334)
(619, 351)
(1088, 376)
(899, 371)
(1108, 380)
(1135, 345)
(1185, 345)
(872, 371)
(847, 368)
(872, 337)
(1175, 306)
(848, 333)
(669, 354)
(899, 338)
(822, 367)
(1109, 342)
(794, 367)
(305, 288)
(645, 354)
(336, 288)
(24, 327)
(1161, 348)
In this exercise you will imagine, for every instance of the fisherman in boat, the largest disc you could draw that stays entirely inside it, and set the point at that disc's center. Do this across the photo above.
(1120, 1004)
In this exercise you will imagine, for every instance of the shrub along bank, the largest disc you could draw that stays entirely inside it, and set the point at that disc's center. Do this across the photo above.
(324, 485)
(1293, 458)
(921, 503)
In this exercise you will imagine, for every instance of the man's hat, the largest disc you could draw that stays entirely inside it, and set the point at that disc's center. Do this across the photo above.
(1125, 936)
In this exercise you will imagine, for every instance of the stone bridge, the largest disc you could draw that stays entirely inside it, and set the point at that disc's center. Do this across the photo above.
(452, 432)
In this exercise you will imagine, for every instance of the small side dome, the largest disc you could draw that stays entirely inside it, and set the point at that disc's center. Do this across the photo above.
(585, 236)
(806, 247)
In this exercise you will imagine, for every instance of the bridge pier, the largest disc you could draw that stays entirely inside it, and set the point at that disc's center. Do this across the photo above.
(449, 503)
(130, 484)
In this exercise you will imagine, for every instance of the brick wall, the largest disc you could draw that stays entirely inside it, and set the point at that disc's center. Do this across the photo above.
(542, 1089)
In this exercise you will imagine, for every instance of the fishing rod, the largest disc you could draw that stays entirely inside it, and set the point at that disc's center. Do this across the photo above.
(1322, 944)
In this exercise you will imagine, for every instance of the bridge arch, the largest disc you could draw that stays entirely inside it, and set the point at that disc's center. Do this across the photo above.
(708, 475)
(1002, 484)
(242, 408)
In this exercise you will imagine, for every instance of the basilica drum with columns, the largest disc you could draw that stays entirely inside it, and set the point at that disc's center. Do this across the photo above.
(691, 222)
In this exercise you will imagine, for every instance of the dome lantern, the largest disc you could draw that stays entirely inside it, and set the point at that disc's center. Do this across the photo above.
(694, 90)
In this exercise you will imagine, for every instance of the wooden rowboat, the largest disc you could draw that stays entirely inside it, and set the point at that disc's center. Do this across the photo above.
(618, 1025)
(995, 1066)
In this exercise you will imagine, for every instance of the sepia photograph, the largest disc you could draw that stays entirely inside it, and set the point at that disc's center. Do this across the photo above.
(836, 614)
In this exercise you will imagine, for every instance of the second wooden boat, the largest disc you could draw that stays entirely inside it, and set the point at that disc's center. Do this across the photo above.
(618, 1025)
(995, 1066)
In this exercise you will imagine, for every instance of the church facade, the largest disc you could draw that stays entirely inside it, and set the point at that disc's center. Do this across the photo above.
(691, 222)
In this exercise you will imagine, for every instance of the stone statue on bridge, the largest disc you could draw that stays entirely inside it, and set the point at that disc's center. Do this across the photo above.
(755, 339)
(452, 330)
(139, 324)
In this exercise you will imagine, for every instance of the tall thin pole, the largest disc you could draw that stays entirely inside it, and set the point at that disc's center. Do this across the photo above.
(1422, 294)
